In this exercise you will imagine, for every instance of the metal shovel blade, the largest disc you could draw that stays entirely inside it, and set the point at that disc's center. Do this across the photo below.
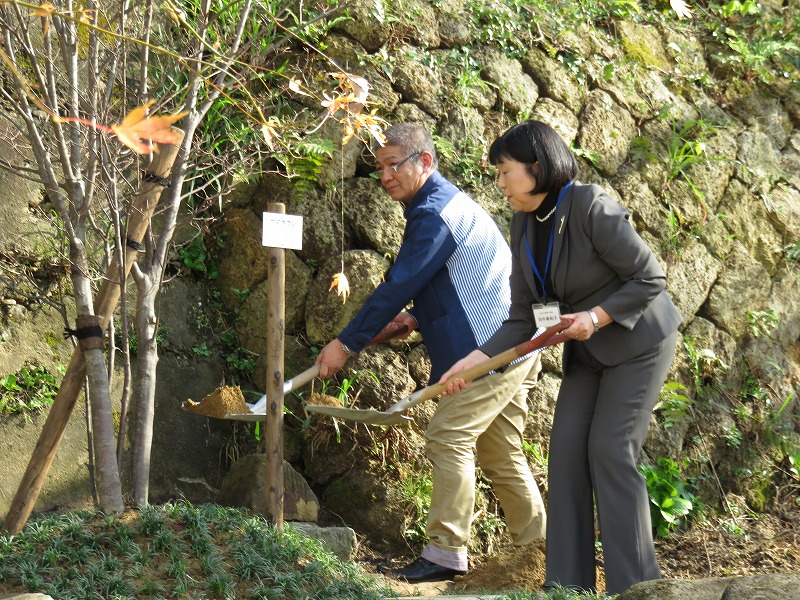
(394, 414)
(288, 386)
(246, 416)
(361, 415)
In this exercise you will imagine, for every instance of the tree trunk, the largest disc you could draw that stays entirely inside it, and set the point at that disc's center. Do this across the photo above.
(109, 486)
(90, 338)
(144, 388)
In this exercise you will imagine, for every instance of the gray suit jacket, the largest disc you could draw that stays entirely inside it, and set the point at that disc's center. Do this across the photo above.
(598, 260)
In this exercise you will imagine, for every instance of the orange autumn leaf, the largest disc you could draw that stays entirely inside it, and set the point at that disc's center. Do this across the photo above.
(335, 104)
(349, 132)
(342, 286)
(45, 11)
(137, 126)
(373, 124)
(86, 15)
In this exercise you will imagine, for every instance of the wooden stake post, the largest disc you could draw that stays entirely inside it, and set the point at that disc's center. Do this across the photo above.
(276, 325)
(142, 208)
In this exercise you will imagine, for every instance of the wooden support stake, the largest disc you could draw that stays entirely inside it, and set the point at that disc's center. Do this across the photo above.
(141, 210)
(276, 326)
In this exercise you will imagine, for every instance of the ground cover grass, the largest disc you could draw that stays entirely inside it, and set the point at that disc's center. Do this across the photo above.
(176, 550)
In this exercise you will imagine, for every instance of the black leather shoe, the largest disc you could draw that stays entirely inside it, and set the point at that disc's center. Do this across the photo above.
(422, 570)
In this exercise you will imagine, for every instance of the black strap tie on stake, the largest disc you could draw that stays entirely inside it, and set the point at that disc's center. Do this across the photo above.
(149, 177)
(83, 333)
(133, 245)
(89, 332)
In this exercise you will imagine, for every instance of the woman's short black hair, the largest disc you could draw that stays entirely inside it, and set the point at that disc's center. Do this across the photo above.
(530, 142)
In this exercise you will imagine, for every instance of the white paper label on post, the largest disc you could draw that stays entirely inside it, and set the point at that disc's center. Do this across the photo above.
(282, 231)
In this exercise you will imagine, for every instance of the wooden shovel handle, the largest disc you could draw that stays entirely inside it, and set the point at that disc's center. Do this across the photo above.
(550, 336)
(301, 379)
(392, 330)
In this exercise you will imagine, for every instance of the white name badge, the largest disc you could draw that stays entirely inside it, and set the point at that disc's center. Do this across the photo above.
(546, 315)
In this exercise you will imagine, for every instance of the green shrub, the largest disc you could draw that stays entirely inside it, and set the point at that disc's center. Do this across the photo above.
(29, 389)
(670, 497)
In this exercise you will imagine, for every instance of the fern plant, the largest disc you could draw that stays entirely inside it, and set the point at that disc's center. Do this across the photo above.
(673, 404)
(706, 367)
(304, 163)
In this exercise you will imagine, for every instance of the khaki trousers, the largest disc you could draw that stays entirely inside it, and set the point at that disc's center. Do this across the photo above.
(488, 418)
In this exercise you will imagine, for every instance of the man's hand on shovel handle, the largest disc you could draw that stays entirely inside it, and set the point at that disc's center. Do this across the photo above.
(332, 357)
(403, 319)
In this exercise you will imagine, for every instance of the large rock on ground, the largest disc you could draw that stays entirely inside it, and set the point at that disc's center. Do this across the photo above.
(764, 587)
(339, 540)
(373, 506)
(245, 486)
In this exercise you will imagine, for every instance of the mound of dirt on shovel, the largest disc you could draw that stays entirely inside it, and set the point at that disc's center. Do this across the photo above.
(222, 401)
(323, 400)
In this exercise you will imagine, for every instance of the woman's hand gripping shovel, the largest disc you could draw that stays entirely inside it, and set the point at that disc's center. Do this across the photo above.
(394, 414)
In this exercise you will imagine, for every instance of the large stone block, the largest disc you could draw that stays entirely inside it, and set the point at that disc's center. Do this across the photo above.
(245, 486)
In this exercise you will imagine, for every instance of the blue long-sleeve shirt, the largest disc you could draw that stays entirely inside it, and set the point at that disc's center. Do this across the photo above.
(454, 265)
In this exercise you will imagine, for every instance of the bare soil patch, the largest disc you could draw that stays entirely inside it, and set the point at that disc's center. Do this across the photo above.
(767, 544)
(716, 548)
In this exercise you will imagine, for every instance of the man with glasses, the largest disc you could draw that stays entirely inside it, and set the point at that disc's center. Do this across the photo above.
(454, 266)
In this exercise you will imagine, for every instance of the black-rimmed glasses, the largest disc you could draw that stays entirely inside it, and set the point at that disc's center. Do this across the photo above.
(378, 172)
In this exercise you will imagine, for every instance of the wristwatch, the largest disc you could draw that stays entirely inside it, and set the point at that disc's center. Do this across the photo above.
(345, 348)
(595, 320)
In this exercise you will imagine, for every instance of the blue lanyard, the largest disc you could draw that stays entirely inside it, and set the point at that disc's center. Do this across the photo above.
(549, 247)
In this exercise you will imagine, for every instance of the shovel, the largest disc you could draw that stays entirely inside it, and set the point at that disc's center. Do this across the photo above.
(258, 410)
(393, 415)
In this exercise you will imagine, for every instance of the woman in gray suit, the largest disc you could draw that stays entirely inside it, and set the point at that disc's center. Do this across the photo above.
(576, 255)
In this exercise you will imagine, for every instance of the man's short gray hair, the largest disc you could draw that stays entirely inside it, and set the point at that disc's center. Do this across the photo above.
(411, 137)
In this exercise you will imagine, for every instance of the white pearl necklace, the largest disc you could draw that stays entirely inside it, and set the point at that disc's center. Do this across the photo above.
(547, 216)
